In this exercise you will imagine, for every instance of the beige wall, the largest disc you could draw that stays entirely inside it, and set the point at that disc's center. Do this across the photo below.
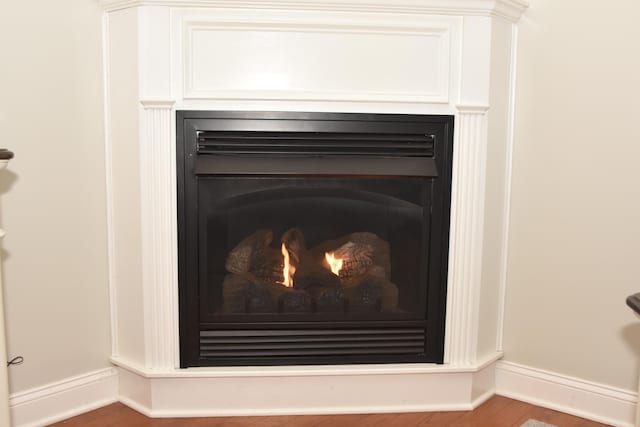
(55, 251)
(575, 235)
(575, 229)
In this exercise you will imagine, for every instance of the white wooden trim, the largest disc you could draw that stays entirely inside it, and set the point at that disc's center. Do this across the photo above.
(161, 104)
(108, 166)
(465, 247)
(64, 399)
(506, 9)
(472, 109)
(483, 398)
(138, 407)
(159, 240)
(508, 177)
(575, 396)
(306, 370)
(73, 396)
(319, 390)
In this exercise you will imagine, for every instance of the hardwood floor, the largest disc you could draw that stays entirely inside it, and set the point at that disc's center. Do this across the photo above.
(496, 412)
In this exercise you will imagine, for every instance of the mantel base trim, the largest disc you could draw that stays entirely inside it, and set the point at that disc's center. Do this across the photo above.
(306, 371)
(206, 394)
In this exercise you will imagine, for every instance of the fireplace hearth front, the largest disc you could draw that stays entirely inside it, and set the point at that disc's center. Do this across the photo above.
(312, 238)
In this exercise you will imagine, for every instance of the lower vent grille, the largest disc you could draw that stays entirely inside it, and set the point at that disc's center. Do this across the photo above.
(240, 344)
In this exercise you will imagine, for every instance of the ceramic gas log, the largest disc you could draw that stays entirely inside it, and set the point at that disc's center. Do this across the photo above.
(349, 274)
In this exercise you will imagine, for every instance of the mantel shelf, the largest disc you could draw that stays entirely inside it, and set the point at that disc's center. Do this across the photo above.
(507, 9)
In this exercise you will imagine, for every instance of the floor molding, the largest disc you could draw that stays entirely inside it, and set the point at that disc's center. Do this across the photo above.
(73, 396)
(64, 399)
(574, 396)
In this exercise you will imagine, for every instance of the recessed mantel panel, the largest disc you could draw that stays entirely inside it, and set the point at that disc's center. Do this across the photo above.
(354, 61)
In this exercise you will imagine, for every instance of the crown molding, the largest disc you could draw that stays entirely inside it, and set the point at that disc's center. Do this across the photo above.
(506, 9)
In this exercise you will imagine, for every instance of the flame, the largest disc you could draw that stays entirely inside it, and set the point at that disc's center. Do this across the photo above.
(334, 263)
(287, 269)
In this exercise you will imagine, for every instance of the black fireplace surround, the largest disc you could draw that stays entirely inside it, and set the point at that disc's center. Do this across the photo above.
(312, 238)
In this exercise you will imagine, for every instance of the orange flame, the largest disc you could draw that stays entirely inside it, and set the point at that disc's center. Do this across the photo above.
(334, 263)
(287, 269)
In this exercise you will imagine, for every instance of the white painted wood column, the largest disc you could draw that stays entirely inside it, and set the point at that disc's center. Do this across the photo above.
(158, 190)
(468, 193)
(467, 219)
(159, 242)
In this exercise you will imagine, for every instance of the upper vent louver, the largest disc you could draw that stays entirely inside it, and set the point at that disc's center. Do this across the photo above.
(315, 143)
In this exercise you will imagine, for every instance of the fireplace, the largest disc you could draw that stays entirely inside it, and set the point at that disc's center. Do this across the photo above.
(415, 57)
(312, 238)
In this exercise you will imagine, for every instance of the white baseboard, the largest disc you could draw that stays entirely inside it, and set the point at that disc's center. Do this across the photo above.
(64, 399)
(574, 396)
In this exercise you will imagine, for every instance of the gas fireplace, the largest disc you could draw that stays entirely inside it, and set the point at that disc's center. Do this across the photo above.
(208, 289)
(312, 238)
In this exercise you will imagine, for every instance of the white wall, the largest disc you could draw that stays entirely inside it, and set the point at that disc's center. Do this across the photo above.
(575, 227)
(55, 251)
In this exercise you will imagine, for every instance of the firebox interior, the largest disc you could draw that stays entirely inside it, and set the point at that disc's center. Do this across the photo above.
(323, 209)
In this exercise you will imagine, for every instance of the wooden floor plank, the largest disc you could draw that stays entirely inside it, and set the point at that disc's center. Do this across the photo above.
(496, 412)
(486, 412)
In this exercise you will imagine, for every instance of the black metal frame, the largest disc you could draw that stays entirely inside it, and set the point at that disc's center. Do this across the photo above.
(190, 124)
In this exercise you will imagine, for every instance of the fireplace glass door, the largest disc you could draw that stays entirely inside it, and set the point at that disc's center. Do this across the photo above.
(312, 238)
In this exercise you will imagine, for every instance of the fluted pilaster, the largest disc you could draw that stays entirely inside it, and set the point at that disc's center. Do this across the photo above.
(467, 220)
(159, 242)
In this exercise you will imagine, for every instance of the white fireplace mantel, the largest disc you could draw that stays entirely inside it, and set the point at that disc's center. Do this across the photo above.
(401, 56)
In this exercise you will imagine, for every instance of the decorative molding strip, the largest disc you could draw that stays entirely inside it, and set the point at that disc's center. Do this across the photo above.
(582, 398)
(304, 370)
(324, 96)
(108, 167)
(160, 104)
(284, 411)
(64, 399)
(465, 247)
(511, 10)
(159, 277)
(506, 227)
(472, 109)
(506, 9)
